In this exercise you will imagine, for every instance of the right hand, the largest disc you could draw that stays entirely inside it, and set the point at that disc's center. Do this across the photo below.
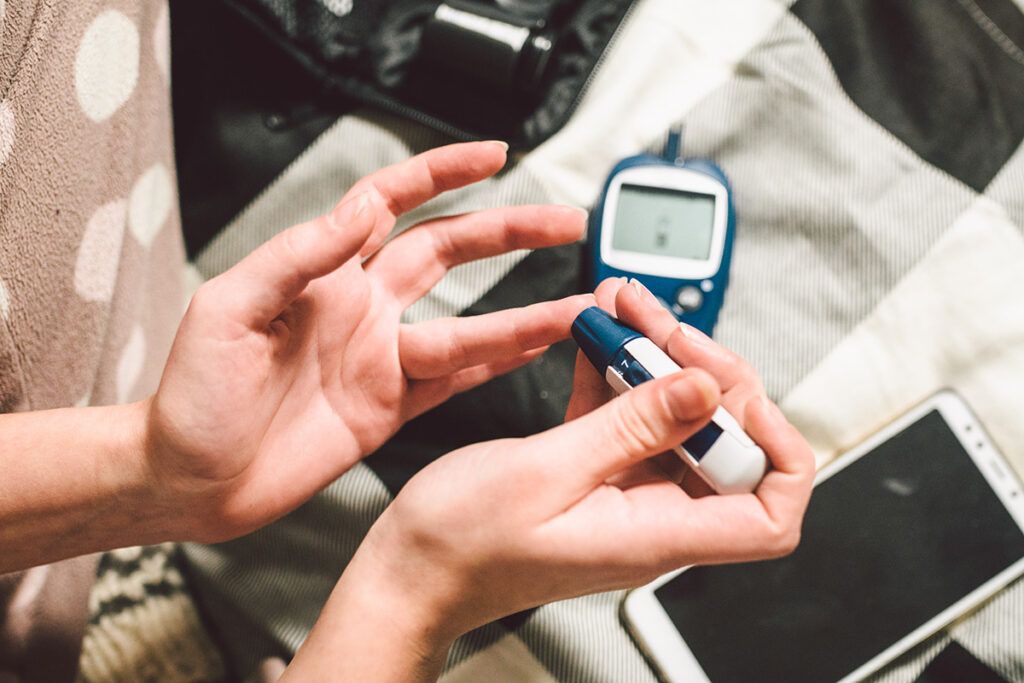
(598, 503)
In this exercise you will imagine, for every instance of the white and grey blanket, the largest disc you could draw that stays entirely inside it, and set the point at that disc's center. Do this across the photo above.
(875, 152)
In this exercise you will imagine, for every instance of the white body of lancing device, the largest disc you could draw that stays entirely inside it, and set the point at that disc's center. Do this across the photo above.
(720, 452)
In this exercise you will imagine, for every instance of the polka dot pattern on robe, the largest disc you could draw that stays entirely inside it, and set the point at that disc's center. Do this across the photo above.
(129, 366)
(6, 130)
(106, 64)
(100, 252)
(150, 203)
(162, 42)
(5, 301)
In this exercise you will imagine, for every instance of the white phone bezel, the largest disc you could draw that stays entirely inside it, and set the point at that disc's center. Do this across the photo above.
(661, 642)
(670, 178)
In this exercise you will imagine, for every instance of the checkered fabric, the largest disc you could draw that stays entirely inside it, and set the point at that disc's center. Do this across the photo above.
(858, 135)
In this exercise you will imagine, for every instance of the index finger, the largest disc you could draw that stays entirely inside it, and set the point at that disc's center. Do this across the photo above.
(403, 186)
(638, 308)
(590, 390)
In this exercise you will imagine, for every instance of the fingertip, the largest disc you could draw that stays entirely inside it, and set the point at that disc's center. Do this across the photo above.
(627, 303)
(579, 302)
(693, 335)
(464, 163)
(695, 350)
(692, 394)
(783, 443)
(497, 155)
(681, 347)
(641, 310)
(613, 283)
(580, 217)
(605, 294)
(564, 223)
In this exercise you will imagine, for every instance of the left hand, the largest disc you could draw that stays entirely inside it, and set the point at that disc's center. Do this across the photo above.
(293, 365)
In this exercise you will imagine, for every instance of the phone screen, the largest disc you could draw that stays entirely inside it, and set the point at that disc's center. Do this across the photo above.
(889, 542)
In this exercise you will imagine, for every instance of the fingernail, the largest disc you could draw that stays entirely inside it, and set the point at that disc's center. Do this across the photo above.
(694, 335)
(501, 143)
(583, 212)
(691, 395)
(644, 293)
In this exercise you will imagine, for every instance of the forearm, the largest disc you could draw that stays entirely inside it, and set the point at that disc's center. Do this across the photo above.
(74, 481)
(373, 630)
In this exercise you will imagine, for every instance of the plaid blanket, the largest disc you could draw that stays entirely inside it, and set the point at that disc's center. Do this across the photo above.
(875, 151)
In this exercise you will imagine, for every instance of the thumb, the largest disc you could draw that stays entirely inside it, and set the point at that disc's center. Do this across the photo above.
(265, 282)
(641, 423)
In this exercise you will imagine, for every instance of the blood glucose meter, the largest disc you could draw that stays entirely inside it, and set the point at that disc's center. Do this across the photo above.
(669, 223)
(721, 452)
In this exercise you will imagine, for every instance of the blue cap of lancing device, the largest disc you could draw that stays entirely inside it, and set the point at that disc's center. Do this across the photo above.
(600, 336)
(720, 452)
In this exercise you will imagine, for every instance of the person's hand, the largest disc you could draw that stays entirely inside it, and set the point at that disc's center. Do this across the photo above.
(291, 366)
(592, 505)
(738, 382)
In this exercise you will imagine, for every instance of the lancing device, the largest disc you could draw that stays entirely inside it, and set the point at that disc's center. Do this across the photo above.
(721, 452)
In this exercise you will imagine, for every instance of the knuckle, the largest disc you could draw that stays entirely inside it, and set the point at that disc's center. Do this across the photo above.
(508, 230)
(634, 429)
(283, 249)
(328, 222)
(520, 334)
(733, 362)
(438, 178)
(284, 243)
(785, 539)
(458, 354)
(742, 372)
(791, 541)
(207, 298)
(440, 240)
(747, 370)
(371, 185)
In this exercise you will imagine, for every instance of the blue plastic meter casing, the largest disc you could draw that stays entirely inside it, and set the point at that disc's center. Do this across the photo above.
(677, 294)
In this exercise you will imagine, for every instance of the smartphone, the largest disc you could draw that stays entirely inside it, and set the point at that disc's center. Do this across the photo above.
(914, 528)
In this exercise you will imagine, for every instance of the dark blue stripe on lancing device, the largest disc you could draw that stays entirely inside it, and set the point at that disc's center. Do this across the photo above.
(634, 373)
(700, 443)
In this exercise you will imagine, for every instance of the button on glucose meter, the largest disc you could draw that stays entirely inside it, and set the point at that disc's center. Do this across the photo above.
(689, 298)
(667, 222)
(720, 452)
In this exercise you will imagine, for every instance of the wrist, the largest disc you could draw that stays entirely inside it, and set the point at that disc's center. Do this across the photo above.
(418, 598)
(374, 626)
(186, 503)
(156, 514)
(86, 487)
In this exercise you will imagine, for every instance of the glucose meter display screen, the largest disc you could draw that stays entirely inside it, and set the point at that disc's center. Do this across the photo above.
(663, 222)
(888, 543)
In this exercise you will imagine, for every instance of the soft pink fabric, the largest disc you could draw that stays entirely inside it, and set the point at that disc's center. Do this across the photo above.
(90, 254)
